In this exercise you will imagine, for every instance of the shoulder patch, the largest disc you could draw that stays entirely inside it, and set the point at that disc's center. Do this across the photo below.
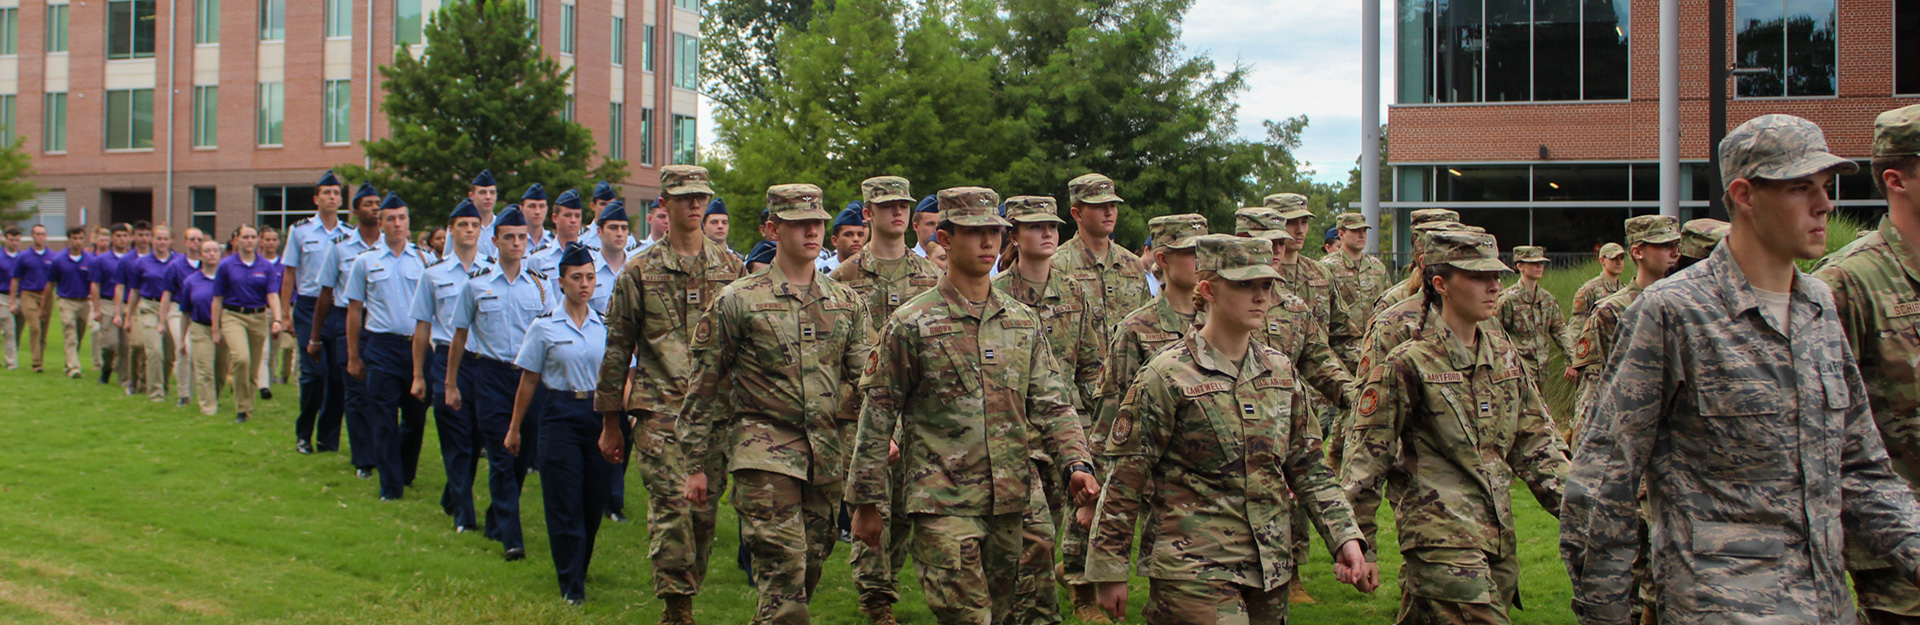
(1369, 401)
(873, 362)
(1583, 347)
(703, 332)
(1449, 377)
(1207, 388)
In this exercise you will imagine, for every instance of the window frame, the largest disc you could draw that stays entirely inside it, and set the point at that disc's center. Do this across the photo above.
(205, 123)
(336, 113)
(619, 40)
(9, 112)
(686, 130)
(261, 113)
(59, 29)
(130, 98)
(415, 35)
(339, 19)
(212, 203)
(1786, 55)
(647, 50)
(273, 22)
(133, 30)
(646, 135)
(686, 61)
(53, 135)
(569, 29)
(1433, 42)
(616, 131)
(1893, 65)
(206, 22)
(296, 203)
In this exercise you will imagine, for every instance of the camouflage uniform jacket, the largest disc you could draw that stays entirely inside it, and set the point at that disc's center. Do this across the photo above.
(1392, 326)
(1115, 285)
(1209, 452)
(655, 303)
(1589, 295)
(1448, 428)
(1532, 318)
(1594, 343)
(1143, 334)
(1876, 293)
(1752, 449)
(1291, 330)
(1409, 287)
(886, 294)
(778, 358)
(1071, 329)
(1356, 282)
(970, 393)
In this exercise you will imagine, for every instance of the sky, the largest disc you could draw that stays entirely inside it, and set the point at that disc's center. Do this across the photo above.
(1304, 57)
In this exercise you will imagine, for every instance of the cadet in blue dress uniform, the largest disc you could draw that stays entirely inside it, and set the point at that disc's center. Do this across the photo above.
(433, 304)
(321, 396)
(566, 231)
(380, 292)
(485, 193)
(607, 263)
(491, 318)
(534, 206)
(561, 354)
(330, 318)
(602, 196)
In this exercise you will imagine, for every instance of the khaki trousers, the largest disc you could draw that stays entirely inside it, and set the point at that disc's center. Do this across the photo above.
(246, 339)
(207, 362)
(74, 318)
(31, 307)
(158, 343)
(10, 330)
(182, 363)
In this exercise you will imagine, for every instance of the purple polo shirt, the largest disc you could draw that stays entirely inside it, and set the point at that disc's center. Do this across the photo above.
(196, 296)
(177, 277)
(73, 277)
(107, 270)
(244, 285)
(33, 267)
(8, 263)
(152, 276)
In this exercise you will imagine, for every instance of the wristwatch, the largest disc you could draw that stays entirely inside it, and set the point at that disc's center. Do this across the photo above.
(1080, 467)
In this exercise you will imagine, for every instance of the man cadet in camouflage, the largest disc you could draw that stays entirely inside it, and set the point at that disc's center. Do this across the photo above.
(1411, 285)
(1109, 273)
(963, 378)
(1531, 316)
(650, 318)
(783, 343)
(886, 276)
(1357, 279)
(1447, 423)
(1613, 260)
(1654, 240)
(1308, 280)
(1211, 489)
(1735, 402)
(1876, 295)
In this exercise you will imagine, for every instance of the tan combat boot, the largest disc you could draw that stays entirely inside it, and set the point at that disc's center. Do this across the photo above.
(878, 612)
(1297, 594)
(679, 610)
(1086, 605)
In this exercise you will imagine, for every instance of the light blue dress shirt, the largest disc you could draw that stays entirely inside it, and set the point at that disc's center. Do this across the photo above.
(496, 311)
(306, 251)
(439, 293)
(566, 356)
(385, 282)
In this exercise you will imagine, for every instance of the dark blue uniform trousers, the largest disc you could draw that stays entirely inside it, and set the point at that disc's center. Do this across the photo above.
(399, 420)
(460, 443)
(322, 396)
(573, 479)
(494, 384)
(353, 393)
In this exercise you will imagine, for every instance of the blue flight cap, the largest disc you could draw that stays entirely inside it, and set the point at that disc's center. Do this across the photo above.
(1333, 233)
(603, 191)
(510, 217)
(568, 199)
(929, 204)
(849, 216)
(615, 211)
(327, 180)
(366, 190)
(576, 254)
(716, 207)
(485, 179)
(465, 209)
(535, 192)
(762, 253)
(393, 201)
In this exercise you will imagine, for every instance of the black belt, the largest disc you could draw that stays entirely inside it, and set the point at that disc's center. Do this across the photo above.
(243, 309)
(573, 395)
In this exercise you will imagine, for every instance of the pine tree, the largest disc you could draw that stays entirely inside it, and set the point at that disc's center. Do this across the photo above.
(16, 181)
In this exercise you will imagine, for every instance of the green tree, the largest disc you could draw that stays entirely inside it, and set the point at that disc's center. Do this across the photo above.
(489, 99)
(16, 181)
(740, 47)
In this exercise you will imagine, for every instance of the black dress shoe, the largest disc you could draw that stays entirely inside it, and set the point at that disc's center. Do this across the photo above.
(266, 393)
(240, 418)
(575, 601)
(303, 447)
(464, 529)
(516, 554)
(386, 498)
(363, 473)
(616, 517)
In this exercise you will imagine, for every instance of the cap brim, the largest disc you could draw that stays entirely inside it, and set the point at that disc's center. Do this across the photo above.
(980, 220)
(1359, 227)
(811, 213)
(890, 198)
(1272, 235)
(690, 189)
(1661, 239)
(1102, 199)
(1039, 218)
(1480, 264)
(1530, 260)
(1249, 273)
(1813, 164)
(1180, 244)
(1295, 213)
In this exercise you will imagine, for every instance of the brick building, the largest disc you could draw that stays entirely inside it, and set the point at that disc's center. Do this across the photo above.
(267, 94)
(1538, 119)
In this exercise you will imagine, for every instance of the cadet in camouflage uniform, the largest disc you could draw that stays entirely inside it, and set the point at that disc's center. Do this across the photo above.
(1357, 279)
(1735, 402)
(1155, 326)
(963, 378)
(887, 276)
(1109, 273)
(656, 301)
(1613, 260)
(1532, 317)
(1447, 422)
(1417, 221)
(783, 343)
(1876, 295)
(1311, 281)
(1654, 240)
(1212, 492)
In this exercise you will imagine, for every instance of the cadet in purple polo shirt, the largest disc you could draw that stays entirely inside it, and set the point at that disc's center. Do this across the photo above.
(244, 293)
(148, 278)
(10, 323)
(194, 290)
(32, 301)
(70, 272)
(109, 339)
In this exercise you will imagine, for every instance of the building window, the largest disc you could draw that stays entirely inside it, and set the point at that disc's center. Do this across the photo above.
(646, 50)
(273, 20)
(130, 119)
(49, 209)
(53, 136)
(202, 209)
(1794, 40)
(1906, 46)
(206, 21)
(339, 105)
(206, 116)
(339, 18)
(686, 61)
(272, 111)
(567, 29)
(6, 120)
(686, 148)
(56, 28)
(566, 109)
(619, 41)
(407, 28)
(129, 29)
(1512, 50)
(616, 131)
(280, 207)
(690, 5)
(533, 16)
(646, 136)
(10, 31)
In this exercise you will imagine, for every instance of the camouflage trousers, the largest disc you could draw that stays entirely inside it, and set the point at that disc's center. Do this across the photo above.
(1886, 596)
(876, 571)
(679, 534)
(968, 565)
(1035, 600)
(1584, 397)
(1189, 602)
(1440, 586)
(787, 524)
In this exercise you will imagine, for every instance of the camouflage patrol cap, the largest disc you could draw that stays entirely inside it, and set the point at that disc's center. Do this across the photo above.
(1655, 229)
(796, 202)
(1897, 132)
(1354, 221)
(1092, 189)
(684, 180)
(1235, 258)
(1529, 254)
(885, 189)
(1698, 237)
(1425, 215)
(1176, 232)
(1261, 223)
(970, 206)
(1612, 250)
(1472, 251)
(1290, 205)
(1031, 209)
(1436, 226)
(1777, 147)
